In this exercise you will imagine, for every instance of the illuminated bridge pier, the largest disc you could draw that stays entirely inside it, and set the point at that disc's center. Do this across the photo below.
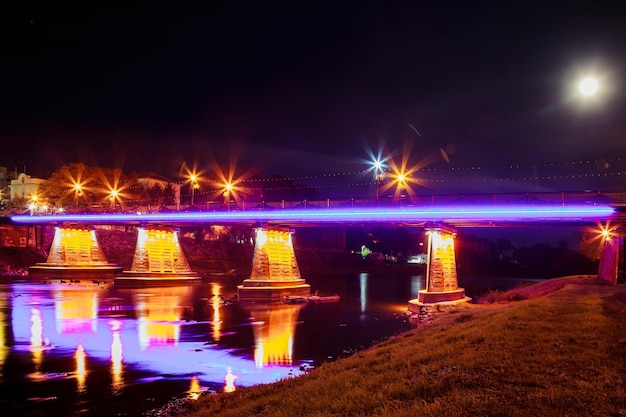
(441, 280)
(158, 261)
(275, 273)
(75, 253)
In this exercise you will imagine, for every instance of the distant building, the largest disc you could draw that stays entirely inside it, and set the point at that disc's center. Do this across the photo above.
(5, 191)
(25, 186)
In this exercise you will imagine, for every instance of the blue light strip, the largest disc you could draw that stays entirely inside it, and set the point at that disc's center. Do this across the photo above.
(521, 214)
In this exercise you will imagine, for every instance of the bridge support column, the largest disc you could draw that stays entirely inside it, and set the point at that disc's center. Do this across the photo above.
(75, 253)
(441, 279)
(275, 273)
(158, 261)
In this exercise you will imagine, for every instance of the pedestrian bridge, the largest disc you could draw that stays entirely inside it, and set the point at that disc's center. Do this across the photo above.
(453, 215)
(159, 259)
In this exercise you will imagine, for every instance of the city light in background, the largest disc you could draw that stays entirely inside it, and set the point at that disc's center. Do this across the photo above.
(193, 183)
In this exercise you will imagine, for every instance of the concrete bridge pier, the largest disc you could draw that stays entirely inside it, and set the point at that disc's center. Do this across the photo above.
(275, 273)
(75, 253)
(441, 279)
(158, 260)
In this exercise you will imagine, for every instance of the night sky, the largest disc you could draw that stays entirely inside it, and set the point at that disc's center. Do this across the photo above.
(294, 88)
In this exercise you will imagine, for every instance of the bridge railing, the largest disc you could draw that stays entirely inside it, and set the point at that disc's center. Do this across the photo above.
(615, 199)
(529, 199)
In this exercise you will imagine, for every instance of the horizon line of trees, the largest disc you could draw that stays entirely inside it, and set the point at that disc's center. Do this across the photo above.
(77, 185)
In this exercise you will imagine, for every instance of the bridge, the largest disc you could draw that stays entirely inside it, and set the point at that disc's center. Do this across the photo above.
(159, 259)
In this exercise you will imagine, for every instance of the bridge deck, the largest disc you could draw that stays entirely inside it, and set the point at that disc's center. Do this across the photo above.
(458, 216)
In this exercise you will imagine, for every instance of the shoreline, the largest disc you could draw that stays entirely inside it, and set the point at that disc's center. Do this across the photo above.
(180, 407)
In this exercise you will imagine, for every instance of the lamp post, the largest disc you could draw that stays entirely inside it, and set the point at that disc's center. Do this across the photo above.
(193, 181)
(112, 197)
(401, 180)
(378, 167)
(78, 191)
(33, 204)
(228, 189)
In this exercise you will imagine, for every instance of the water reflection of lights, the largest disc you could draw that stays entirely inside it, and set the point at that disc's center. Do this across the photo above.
(230, 381)
(195, 390)
(274, 333)
(115, 343)
(81, 371)
(159, 312)
(4, 348)
(416, 285)
(363, 291)
(36, 337)
(217, 302)
(117, 376)
(76, 310)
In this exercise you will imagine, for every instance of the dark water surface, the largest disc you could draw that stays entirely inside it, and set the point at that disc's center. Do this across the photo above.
(90, 349)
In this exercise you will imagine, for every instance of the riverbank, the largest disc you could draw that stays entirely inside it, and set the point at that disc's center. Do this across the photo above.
(557, 351)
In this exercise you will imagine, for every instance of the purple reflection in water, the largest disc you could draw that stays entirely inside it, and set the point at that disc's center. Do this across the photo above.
(78, 346)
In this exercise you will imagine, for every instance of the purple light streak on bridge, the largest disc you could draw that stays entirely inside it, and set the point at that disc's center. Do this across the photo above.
(452, 214)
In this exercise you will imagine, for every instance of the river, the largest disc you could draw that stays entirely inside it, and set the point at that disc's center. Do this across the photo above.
(90, 349)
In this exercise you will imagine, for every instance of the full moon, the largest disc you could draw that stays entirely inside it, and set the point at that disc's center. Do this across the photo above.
(588, 86)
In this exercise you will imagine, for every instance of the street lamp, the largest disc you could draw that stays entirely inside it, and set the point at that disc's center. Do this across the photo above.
(193, 181)
(112, 197)
(378, 168)
(228, 189)
(78, 191)
(401, 178)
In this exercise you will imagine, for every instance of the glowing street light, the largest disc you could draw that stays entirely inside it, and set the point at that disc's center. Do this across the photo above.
(378, 174)
(401, 179)
(606, 232)
(193, 181)
(228, 188)
(113, 196)
(78, 191)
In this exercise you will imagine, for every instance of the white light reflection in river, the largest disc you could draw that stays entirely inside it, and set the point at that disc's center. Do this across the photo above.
(230, 381)
(416, 285)
(36, 338)
(363, 292)
(81, 370)
(117, 377)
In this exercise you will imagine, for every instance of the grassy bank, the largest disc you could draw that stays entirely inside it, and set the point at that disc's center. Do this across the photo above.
(560, 350)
